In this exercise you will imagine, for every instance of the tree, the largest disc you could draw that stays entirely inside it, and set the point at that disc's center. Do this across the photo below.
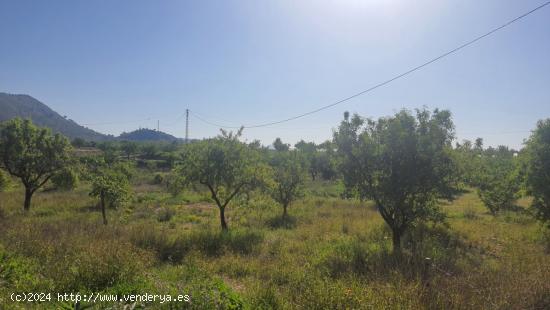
(110, 151)
(498, 180)
(305, 147)
(288, 179)
(111, 187)
(32, 154)
(150, 150)
(479, 144)
(402, 163)
(129, 148)
(322, 161)
(280, 146)
(469, 161)
(538, 169)
(78, 142)
(309, 153)
(226, 166)
(66, 179)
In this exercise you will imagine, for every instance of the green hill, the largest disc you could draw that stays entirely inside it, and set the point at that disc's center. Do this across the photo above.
(145, 134)
(25, 106)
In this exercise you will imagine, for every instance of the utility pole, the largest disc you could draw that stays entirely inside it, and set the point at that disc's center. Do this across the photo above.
(186, 126)
(158, 125)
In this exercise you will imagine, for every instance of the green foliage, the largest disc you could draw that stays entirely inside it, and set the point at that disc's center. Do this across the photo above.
(111, 187)
(129, 148)
(4, 180)
(158, 179)
(78, 142)
(206, 292)
(348, 256)
(288, 178)
(170, 159)
(75, 257)
(538, 169)
(125, 168)
(32, 154)
(279, 146)
(224, 165)
(320, 159)
(66, 179)
(469, 163)
(150, 150)
(322, 163)
(402, 163)
(17, 272)
(110, 151)
(498, 180)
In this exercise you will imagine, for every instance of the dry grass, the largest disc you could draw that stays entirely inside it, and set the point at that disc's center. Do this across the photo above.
(336, 254)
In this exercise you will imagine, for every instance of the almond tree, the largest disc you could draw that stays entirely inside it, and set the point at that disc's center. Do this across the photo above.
(32, 154)
(288, 179)
(538, 169)
(224, 165)
(111, 187)
(402, 163)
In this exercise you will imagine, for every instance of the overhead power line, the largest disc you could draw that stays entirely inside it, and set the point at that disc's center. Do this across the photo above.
(386, 81)
(206, 121)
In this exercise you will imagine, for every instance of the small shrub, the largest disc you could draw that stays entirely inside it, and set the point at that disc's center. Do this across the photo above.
(66, 179)
(97, 266)
(349, 256)
(244, 242)
(167, 248)
(207, 292)
(17, 272)
(158, 179)
(165, 214)
(287, 222)
(265, 298)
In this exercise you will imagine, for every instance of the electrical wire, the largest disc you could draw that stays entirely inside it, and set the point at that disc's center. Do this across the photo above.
(386, 81)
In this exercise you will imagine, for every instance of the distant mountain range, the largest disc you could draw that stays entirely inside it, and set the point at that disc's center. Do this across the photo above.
(25, 106)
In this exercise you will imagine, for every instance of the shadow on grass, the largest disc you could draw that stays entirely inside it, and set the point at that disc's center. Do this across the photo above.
(426, 251)
(208, 242)
(288, 222)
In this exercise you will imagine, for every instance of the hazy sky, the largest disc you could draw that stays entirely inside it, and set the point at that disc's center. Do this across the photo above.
(113, 64)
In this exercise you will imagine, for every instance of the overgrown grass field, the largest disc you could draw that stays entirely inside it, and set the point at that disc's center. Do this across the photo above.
(330, 254)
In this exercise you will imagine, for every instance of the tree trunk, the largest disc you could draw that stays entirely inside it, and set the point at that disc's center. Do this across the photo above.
(396, 238)
(285, 213)
(103, 209)
(222, 219)
(28, 196)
